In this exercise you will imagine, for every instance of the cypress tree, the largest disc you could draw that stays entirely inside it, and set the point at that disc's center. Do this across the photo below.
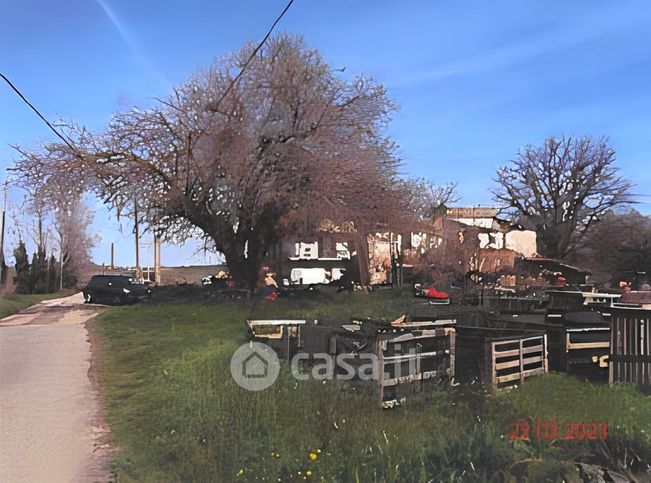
(53, 274)
(22, 279)
(38, 271)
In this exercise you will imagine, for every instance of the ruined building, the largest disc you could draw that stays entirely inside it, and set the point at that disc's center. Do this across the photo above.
(463, 240)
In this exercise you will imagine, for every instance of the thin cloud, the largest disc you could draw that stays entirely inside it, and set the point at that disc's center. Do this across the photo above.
(498, 59)
(131, 43)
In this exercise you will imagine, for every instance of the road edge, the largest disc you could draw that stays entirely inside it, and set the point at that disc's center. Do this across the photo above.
(103, 447)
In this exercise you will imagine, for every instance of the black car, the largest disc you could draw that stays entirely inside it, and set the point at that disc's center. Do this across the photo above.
(115, 290)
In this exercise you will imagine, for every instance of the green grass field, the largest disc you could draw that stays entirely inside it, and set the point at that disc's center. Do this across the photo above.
(13, 303)
(177, 415)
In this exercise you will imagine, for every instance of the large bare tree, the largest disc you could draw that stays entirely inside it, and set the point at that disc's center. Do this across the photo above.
(560, 189)
(240, 165)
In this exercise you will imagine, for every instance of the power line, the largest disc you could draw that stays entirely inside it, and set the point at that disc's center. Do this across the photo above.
(215, 106)
(20, 94)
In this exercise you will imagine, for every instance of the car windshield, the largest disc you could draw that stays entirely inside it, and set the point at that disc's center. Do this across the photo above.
(122, 281)
(97, 281)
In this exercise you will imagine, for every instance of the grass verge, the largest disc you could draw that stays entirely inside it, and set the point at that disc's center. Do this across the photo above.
(177, 415)
(14, 303)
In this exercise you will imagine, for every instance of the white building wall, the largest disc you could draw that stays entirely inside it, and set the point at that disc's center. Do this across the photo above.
(522, 242)
(480, 222)
(491, 240)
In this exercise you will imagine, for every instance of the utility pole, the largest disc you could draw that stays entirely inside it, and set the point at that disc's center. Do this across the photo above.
(112, 255)
(137, 233)
(157, 259)
(2, 235)
(62, 244)
(61, 263)
(49, 268)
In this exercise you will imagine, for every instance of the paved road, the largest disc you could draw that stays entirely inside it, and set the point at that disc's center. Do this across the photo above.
(50, 425)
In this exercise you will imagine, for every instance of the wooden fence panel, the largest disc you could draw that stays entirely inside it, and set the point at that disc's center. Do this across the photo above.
(630, 358)
(512, 361)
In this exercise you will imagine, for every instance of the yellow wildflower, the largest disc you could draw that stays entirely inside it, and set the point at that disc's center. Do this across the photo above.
(313, 456)
(241, 472)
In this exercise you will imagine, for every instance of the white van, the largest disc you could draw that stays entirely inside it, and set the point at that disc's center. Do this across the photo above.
(309, 276)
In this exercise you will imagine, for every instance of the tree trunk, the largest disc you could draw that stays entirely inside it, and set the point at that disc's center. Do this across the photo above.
(243, 271)
(244, 259)
(246, 247)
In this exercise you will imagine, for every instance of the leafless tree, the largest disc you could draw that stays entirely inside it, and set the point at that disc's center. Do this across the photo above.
(289, 144)
(72, 223)
(34, 215)
(56, 199)
(453, 253)
(426, 200)
(417, 203)
(561, 189)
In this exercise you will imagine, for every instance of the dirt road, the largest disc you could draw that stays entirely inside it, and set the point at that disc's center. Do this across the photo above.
(50, 424)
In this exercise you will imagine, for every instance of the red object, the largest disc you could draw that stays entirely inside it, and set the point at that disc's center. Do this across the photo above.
(432, 293)
(272, 296)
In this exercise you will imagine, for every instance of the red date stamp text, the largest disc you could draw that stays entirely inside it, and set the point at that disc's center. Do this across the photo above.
(524, 430)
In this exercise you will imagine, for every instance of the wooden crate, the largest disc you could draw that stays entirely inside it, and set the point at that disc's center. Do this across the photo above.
(409, 356)
(413, 361)
(512, 305)
(563, 303)
(586, 351)
(578, 336)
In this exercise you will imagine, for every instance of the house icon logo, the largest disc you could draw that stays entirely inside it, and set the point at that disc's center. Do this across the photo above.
(255, 366)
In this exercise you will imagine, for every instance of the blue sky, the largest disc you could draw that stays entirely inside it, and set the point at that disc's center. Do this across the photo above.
(474, 80)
